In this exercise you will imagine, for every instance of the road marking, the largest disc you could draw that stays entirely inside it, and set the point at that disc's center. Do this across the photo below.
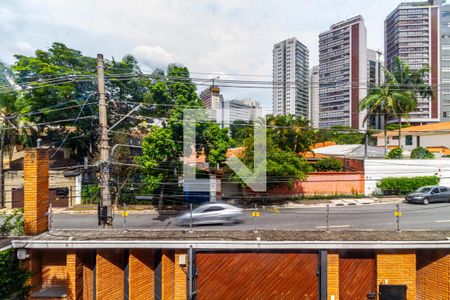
(442, 221)
(333, 226)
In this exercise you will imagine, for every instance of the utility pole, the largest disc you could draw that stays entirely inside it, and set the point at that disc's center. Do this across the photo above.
(104, 143)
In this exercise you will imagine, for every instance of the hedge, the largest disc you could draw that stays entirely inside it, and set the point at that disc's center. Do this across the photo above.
(329, 164)
(404, 185)
(396, 153)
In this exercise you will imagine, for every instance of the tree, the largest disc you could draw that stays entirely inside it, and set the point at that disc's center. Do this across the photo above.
(398, 96)
(329, 164)
(12, 132)
(163, 147)
(239, 131)
(341, 135)
(290, 133)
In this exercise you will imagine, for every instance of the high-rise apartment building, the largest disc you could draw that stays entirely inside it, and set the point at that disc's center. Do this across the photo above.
(290, 76)
(412, 32)
(444, 88)
(240, 110)
(343, 73)
(314, 97)
(375, 77)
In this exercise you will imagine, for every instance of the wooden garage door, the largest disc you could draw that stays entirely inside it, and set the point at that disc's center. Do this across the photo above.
(356, 275)
(231, 275)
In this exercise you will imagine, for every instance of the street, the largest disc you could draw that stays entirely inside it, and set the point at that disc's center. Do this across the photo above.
(361, 217)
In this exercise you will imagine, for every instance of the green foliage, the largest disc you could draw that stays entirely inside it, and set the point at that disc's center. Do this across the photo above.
(404, 185)
(13, 277)
(90, 194)
(13, 223)
(396, 153)
(162, 147)
(329, 164)
(290, 133)
(421, 153)
(341, 135)
(239, 131)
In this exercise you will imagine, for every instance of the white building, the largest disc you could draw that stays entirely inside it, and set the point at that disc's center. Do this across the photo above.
(242, 110)
(314, 97)
(290, 76)
(435, 137)
(343, 73)
(375, 77)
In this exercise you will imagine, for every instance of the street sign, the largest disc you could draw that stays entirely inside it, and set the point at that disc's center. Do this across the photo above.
(397, 213)
(256, 214)
(125, 214)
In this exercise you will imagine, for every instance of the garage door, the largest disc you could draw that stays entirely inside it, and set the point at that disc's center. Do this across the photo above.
(231, 275)
(357, 275)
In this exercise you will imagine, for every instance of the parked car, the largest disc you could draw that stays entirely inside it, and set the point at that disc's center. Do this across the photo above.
(212, 213)
(429, 194)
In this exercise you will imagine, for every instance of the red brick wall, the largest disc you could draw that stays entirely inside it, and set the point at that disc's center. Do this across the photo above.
(141, 274)
(433, 275)
(325, 183)
(110, 277)
(180, 276)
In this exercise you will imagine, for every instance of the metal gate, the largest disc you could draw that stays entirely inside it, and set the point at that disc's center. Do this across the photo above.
(357, 278)
(57, 197)
(249, 275)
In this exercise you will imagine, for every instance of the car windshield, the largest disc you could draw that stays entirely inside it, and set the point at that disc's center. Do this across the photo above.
(424, 189)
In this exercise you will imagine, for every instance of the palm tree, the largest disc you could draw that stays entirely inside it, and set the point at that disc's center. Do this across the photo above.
(413, 84)
(398, 96)
(384, 99)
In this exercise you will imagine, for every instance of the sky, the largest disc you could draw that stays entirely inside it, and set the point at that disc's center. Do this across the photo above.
(207, 36)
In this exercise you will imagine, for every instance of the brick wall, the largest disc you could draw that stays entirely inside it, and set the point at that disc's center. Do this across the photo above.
(397, 267)
(333, 275)
(168, 274)
(180, 276)
(35, 191)
(53, 268)
(433, 275)
(110, 276)
(87, 261)
(141, 274)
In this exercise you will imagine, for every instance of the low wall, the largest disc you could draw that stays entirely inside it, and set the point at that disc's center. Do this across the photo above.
(325, 183)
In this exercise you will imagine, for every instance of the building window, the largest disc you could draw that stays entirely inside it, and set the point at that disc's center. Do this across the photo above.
(408, 140)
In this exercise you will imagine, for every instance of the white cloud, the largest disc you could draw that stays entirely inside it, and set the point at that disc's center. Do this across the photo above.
(25, 48)
(154, 56)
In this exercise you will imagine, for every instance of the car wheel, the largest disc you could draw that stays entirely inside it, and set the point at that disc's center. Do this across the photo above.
(425, 201)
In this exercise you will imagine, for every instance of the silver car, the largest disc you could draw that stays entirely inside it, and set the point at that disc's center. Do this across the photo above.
(212, 213)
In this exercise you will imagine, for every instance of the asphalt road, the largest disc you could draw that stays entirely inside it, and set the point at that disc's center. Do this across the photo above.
(361, 217)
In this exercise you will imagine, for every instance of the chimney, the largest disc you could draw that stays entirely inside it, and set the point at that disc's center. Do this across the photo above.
(35, 169)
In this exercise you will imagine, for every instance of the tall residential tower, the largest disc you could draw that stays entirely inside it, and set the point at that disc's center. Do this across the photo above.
(412, 33)
(290, 76)
(343, 73)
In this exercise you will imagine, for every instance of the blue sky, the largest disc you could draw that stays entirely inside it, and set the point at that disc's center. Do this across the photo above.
(224, 36)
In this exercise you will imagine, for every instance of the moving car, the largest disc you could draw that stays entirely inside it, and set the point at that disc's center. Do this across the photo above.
(429, 194)
(212, 213)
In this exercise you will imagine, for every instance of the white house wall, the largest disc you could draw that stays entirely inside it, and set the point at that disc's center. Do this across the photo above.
(377, 169)
(425, 141)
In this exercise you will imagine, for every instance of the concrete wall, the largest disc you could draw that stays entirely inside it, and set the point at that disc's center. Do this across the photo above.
(377, 169)
(326, 183)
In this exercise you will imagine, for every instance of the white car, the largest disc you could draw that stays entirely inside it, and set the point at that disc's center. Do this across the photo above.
(212, 213)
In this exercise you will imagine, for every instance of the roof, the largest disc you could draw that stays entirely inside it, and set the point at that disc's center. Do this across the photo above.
(443, 127)
(229, 239)
(351, 151)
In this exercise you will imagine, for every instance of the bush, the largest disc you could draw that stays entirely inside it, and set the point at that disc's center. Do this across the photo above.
(395, 153)
(13, 277)
(421, 153)
(90, 194)
(12, 223)
(404, 185)
(329, 164)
